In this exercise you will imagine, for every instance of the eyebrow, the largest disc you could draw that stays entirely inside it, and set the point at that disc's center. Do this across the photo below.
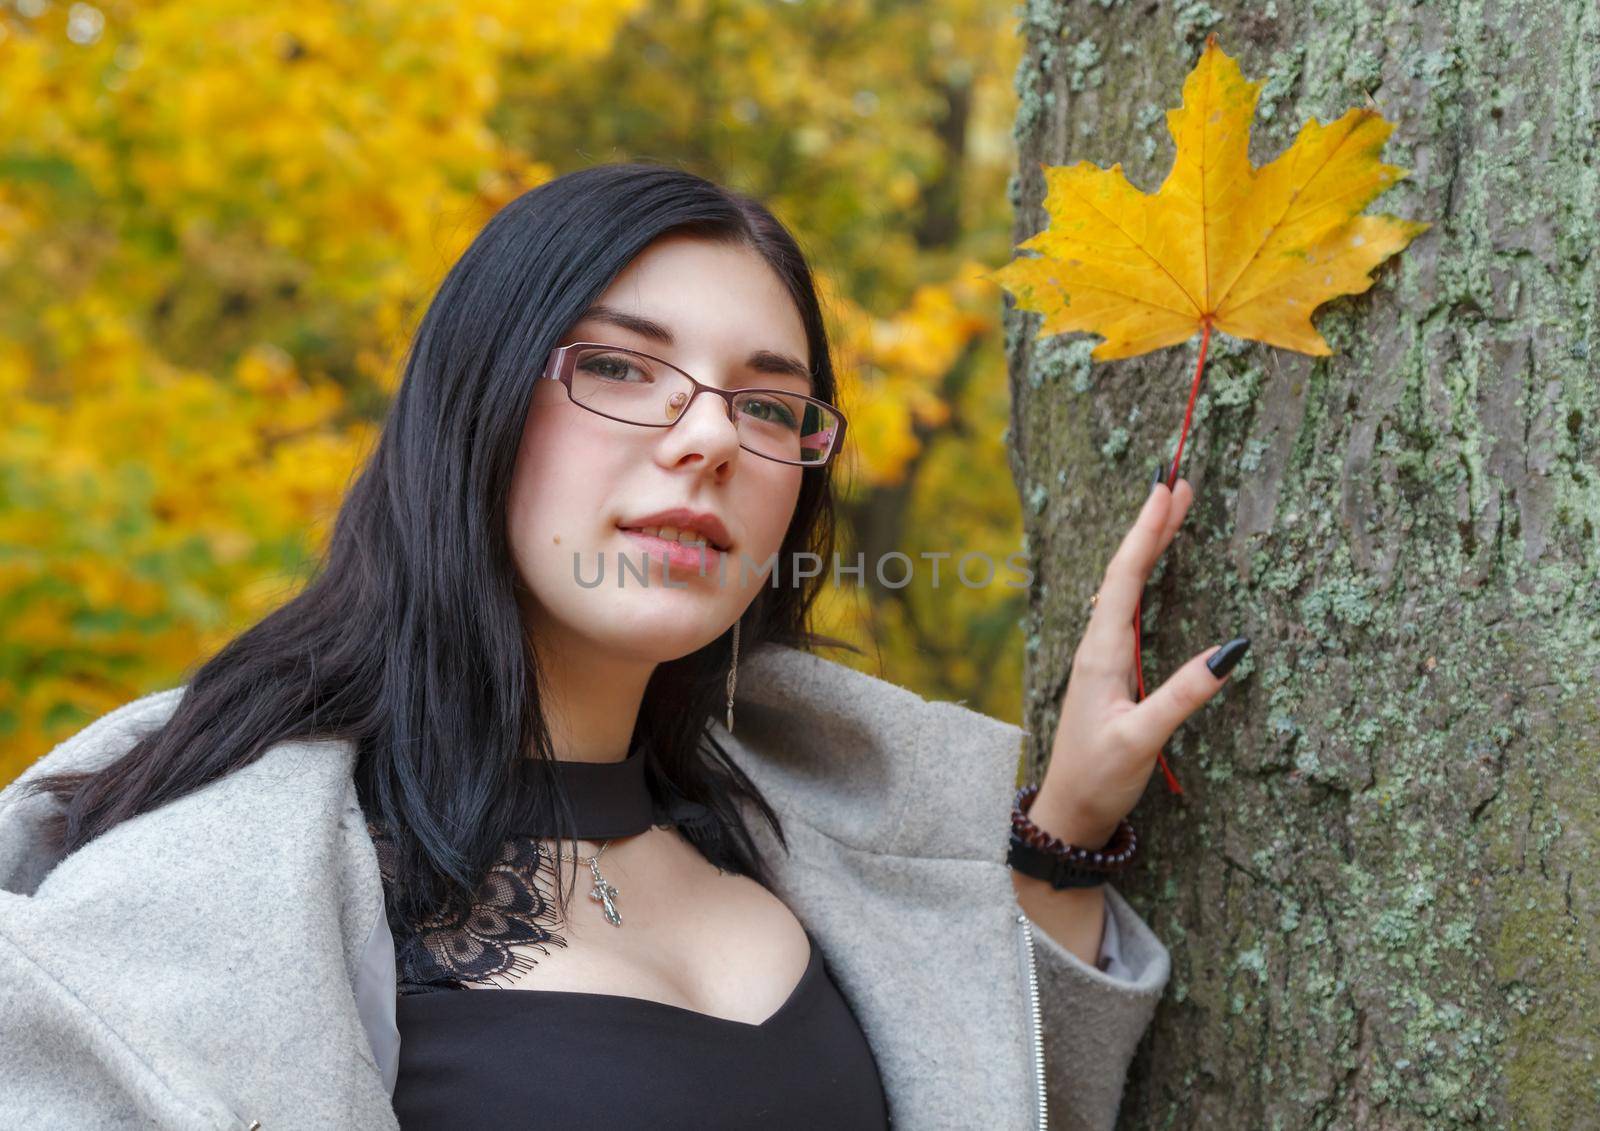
(762, 361)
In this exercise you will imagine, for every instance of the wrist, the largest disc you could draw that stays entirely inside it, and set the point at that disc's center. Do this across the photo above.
(1070, 824)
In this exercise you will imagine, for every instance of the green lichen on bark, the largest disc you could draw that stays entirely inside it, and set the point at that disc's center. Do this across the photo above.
(1379, 889)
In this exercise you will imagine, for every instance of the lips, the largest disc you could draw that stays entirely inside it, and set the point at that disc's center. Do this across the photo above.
(706, 525)
(698, 556)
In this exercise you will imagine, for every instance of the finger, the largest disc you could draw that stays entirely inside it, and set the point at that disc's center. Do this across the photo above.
(1110, 624)
(1149, 725)
(1182, 497)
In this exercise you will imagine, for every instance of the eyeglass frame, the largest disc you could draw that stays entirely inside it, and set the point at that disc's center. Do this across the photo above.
(557, 367)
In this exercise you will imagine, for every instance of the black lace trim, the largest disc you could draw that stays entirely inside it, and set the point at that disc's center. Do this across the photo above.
(445, 951)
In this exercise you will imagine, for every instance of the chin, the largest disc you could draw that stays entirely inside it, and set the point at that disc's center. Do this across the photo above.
(659, 648)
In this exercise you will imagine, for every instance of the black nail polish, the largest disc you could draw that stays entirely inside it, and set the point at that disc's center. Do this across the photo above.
(1228, 655)
(1160, 475)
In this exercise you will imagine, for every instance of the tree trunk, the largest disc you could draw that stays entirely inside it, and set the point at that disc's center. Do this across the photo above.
(1380, 884)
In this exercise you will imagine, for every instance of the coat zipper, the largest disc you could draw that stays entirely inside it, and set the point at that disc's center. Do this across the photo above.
(1037, 1022)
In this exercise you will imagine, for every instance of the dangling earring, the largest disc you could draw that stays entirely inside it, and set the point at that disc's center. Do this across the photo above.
(733, 671)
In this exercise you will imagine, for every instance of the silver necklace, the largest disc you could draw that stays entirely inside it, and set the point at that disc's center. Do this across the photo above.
(602, 893)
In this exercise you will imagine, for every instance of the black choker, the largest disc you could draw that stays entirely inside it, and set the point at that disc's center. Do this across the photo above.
(609, 799)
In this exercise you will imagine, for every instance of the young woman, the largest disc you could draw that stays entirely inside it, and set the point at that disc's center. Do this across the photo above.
(561, 628)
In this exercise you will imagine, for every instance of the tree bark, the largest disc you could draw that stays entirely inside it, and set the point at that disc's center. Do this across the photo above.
(1380, 884)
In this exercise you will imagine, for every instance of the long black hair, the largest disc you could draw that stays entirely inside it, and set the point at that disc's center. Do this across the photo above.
(407, 639)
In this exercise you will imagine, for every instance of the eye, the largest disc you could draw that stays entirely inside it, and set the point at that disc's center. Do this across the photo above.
(613, 367)
(770, 410)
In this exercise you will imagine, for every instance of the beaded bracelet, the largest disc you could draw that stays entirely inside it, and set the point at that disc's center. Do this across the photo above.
(1034, 852)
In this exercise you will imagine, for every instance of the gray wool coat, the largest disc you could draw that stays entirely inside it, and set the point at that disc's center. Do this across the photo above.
(223, 962)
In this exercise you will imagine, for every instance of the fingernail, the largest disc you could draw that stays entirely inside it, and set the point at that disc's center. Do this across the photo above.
(1159, 476)
(1228, 655)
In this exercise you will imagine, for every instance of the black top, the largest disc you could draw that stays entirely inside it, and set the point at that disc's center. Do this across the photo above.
(568, 1059)
(572, 1060)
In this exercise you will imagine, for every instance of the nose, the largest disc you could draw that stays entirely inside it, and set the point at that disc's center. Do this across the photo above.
(705, 428)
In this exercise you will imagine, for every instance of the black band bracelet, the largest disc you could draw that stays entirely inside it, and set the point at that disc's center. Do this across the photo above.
(1034, 852)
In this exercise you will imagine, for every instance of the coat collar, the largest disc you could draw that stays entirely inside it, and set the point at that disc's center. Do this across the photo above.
(896, 811)
(870, 763)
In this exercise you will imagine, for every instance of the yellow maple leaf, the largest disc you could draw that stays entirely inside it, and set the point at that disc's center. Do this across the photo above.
(1222, 244)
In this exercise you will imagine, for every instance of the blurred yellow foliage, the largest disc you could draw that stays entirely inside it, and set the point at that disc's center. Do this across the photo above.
(891, 368)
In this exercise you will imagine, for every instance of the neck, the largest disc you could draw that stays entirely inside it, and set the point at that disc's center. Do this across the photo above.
(591, 699)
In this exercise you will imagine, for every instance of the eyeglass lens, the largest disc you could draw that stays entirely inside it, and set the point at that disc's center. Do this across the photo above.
(634, 388)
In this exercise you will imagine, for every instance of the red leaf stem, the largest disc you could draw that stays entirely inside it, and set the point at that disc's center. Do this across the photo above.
(1171, 479)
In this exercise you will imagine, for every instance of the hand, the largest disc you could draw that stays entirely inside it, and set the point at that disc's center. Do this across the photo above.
(1106, 744)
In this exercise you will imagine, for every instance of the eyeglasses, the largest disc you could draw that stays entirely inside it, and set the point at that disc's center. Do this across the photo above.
(636, 388)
